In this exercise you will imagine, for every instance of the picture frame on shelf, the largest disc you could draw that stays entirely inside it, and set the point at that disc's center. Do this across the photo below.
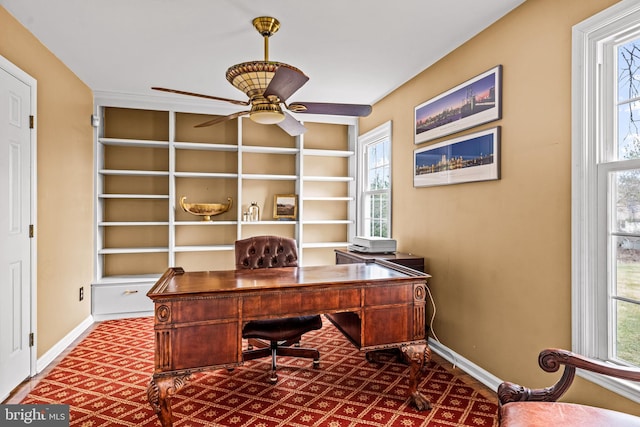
(468, 158)
(472, 103)
(285, 206)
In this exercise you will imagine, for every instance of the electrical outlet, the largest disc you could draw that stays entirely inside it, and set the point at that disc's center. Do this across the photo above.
(81, 293)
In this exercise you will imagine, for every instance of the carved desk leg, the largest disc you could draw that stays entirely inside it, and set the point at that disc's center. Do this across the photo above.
(159, 394)
(416, 356)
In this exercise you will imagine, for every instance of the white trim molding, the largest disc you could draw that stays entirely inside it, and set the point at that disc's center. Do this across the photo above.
(485, 377)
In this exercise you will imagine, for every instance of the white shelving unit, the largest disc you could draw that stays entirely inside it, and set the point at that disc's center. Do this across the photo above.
(140, 229)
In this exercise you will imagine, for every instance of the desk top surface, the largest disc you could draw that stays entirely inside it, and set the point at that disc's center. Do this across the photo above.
(176, 281)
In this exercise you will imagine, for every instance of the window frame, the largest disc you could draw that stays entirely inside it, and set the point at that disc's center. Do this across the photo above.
(591, 126)
(375, 135)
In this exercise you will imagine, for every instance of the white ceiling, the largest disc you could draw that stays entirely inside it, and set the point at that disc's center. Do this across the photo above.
(354, 51)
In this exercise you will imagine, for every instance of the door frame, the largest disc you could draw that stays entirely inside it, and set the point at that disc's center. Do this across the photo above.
(12, 69)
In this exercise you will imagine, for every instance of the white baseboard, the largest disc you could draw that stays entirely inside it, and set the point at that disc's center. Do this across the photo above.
(485, 377)
(61, 345)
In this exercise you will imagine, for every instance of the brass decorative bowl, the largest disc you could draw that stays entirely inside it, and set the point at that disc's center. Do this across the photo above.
(205, 210)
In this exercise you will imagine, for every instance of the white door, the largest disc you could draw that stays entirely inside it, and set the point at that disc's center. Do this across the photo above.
(15, 248)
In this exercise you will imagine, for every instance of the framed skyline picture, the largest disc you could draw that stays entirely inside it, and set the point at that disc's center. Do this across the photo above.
(469, 158)
(469, 104)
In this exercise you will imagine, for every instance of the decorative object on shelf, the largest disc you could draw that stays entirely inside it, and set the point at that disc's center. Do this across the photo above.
(254, 212)
(285, 206)
(268, 84)
(469, 104)
(472, 157)
(205, 210)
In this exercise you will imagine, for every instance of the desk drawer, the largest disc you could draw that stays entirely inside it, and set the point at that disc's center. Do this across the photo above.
(294, 303)
(121, 298)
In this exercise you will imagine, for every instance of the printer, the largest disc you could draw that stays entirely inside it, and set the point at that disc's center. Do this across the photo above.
(372, 245)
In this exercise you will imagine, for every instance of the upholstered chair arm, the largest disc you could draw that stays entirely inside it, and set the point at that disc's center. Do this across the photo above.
(550, 361)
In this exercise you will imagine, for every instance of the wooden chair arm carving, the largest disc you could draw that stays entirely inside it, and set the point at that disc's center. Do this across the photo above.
(550, 361)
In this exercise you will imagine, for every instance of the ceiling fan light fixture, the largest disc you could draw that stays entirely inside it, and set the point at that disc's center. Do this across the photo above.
(253, 77)
(266, 114)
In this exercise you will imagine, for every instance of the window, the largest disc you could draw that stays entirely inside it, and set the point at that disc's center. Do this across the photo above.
(606, 190)
(623, 233)
(374, 183)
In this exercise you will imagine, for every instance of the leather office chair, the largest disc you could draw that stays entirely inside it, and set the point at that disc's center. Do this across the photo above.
(284, 334)
(521, 406)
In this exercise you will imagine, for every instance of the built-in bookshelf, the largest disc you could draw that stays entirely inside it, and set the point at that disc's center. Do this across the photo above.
(146, 159)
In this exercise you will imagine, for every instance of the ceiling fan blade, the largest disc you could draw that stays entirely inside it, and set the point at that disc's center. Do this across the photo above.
(358, 110)
(291, 126)
(285, 82)
(199, 95)
(221, 119)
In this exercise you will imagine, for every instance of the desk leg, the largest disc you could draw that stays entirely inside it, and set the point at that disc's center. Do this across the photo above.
(159, 394)
(416, 356)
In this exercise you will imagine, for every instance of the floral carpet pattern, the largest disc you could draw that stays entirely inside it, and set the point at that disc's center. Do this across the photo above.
(104, 380)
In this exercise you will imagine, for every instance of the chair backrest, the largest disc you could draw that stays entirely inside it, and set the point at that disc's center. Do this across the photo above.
(266, 252)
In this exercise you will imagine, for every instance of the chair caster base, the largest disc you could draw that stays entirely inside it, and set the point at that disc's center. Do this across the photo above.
(316, 364)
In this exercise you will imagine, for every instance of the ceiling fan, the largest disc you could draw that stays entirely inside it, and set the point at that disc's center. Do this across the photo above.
(268, 85)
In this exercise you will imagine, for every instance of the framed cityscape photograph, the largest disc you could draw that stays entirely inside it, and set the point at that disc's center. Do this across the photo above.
(469, 158)
(469, 104)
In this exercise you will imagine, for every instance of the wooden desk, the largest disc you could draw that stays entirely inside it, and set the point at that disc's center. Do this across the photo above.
(344, 256)
(199, 316)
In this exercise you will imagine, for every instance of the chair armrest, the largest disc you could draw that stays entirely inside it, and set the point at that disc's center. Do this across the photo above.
(550, 361)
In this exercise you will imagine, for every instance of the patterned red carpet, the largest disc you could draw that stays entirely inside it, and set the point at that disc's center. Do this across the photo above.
(104, 380)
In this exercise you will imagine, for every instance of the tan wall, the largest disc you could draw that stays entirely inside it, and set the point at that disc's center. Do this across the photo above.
(500, 251)
(65, 163)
